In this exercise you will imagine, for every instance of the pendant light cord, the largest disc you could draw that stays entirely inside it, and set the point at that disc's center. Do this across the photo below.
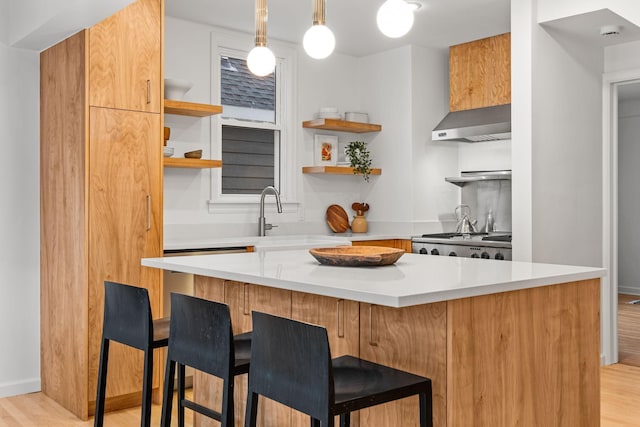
(318, 12)
(261, 22)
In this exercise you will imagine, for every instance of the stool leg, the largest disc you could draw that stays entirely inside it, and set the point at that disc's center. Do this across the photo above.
(167, 397)
(147, 385)
(227, 403)
(345, 420)
(181, 380)
(426, 409)
(98, 417)
(251, 414)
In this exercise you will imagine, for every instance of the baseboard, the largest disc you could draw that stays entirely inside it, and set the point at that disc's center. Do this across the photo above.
(628, 291)
(20, 387)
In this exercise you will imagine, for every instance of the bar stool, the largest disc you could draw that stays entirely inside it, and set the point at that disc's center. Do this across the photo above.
(201, 337)
(291, 364)
(127, 320)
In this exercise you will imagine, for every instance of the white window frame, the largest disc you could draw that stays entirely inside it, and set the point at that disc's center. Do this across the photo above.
(239, 45)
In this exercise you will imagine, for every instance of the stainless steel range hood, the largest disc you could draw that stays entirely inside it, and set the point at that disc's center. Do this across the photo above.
(480, 124)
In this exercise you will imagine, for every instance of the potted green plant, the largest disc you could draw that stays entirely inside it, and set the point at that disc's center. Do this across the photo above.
(359, 158)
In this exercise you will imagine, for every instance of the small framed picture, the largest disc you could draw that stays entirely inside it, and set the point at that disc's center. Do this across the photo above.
(325, 150)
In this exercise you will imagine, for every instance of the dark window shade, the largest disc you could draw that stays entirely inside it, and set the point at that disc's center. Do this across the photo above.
(247, 159)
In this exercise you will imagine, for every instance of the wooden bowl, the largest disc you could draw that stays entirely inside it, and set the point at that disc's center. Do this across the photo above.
(197, 154)
(356, 256)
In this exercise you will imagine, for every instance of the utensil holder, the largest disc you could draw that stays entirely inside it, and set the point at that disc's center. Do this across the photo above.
(359, 224)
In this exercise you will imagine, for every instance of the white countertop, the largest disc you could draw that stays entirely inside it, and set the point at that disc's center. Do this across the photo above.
(413, 279)
(276, 242)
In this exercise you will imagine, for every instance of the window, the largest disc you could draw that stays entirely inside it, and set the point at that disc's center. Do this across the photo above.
(254, 134)
(248, 152)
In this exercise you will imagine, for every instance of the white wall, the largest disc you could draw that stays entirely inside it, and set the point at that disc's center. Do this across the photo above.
(628, 197)
(625, 56)
(29, 24)
(566, 150)
(404, 89)
(19, 222)
(559, 141)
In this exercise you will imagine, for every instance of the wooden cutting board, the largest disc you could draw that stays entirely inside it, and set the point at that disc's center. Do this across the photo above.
(337, 219)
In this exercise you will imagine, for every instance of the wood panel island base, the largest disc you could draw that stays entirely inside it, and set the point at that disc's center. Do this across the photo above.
(521, 348)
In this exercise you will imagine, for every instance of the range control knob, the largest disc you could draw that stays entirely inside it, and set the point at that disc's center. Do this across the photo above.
(452, 253)
(499, 256)
(485, 255)
(435, 252)
(475, 255)
(423, 251)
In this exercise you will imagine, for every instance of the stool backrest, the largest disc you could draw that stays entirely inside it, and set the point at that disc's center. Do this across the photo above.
(291, 364)
(127, 315)
(200, 335)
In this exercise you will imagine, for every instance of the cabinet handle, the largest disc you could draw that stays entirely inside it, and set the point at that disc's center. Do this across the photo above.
(148, 212)
(340, 317)
(148, 91)
(245, 299)
(373, 341)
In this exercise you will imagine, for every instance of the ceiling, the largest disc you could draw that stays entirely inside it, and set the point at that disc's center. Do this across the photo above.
(438, 23)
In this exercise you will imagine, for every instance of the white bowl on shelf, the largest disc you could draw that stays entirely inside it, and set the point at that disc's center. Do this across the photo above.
(176, 88)
(167, 151)
(356, 117)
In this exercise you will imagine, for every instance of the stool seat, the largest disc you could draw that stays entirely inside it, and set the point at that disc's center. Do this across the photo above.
(161, 332)
(291, 364)
(242, 349)
(127, 320)
(201, 337)
(360, 384)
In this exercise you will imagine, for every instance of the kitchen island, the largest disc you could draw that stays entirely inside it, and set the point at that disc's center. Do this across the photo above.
(505, 343)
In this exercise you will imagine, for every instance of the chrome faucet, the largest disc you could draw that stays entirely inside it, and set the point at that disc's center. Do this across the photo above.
(262, 225)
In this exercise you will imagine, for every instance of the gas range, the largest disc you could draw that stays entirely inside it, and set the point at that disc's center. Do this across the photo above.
(472, 245)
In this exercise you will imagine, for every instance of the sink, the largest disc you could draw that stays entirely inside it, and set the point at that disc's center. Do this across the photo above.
(303, 241)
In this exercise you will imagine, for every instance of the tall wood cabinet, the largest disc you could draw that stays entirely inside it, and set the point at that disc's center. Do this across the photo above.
(101, 198)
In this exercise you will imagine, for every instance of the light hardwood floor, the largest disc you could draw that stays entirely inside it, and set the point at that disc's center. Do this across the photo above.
(620, 406)
(36, 409)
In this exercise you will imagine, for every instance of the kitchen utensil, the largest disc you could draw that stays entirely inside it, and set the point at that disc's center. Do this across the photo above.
(360, 208)
(465, 225)
(356, 256)
(196, 154)
(337, 219)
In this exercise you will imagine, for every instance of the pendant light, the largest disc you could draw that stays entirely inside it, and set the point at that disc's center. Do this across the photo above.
(318, 41)
(261, 61)
(395, 18)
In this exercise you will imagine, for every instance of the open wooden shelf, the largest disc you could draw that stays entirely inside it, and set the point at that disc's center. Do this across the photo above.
(336, 170)
(341, 125)
(177, 162)
(193, 109)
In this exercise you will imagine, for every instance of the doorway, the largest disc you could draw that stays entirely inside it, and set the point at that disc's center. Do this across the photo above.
(628, 246)
(621, 90)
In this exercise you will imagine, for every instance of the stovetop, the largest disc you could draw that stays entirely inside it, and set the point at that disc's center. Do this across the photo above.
(489, 237)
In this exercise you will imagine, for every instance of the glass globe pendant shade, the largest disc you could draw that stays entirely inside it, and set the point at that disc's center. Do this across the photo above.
(395, 18)
(261, 61)
(319, 41)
